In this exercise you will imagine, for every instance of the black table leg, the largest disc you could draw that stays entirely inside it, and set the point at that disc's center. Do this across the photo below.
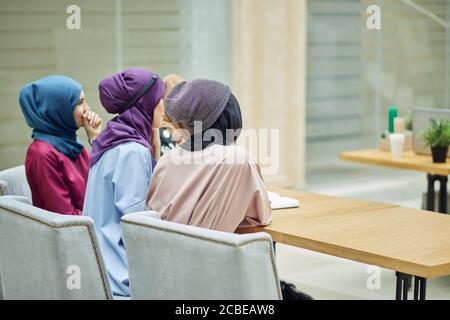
(423, 288)
(403, 283)
(442, 192)
(416, 288)
(398, 288)
(420, 288)
(430, 192)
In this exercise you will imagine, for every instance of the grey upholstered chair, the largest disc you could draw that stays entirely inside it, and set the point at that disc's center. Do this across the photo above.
(44, 255)
(13, 182)
(172, 261)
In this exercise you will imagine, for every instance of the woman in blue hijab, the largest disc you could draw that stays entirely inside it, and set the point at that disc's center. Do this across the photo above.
(57, 164)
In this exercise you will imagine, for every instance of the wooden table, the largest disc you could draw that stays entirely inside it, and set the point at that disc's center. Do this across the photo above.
(410, 161)
(409, 241)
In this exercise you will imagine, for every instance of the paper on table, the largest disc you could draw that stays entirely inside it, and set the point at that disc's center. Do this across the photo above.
(279, 202)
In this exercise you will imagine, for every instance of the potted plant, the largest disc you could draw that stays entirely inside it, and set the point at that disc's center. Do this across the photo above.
(409, 120)
(437, 137)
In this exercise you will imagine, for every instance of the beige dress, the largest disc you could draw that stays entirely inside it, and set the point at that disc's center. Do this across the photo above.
(218, 188)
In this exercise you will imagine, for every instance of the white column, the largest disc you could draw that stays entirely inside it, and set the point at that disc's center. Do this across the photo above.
(269, 76)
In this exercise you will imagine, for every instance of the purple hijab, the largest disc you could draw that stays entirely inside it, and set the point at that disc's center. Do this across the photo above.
(133, 124)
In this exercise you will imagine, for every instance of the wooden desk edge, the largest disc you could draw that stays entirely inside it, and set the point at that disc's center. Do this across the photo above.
(352, 156)
(352, 254)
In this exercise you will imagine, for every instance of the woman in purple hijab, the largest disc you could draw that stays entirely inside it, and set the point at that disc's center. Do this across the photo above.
(121, 162)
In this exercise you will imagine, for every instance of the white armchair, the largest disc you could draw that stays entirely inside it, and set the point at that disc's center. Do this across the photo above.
(173, 261)
(43, 253)
(14, 182)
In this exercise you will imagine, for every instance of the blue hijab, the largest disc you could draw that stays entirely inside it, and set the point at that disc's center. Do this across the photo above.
(48, 105)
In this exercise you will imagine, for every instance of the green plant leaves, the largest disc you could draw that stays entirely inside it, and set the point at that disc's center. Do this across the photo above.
(438, 133)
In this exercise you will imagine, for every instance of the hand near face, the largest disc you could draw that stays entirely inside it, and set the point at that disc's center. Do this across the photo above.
(92, 123)
(85, 117)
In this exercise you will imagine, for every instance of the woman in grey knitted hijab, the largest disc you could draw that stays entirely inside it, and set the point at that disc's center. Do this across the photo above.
(210, 181)
(207, 110)
(218, 184)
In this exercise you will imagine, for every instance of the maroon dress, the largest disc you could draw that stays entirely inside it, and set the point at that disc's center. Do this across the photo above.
(57, 183)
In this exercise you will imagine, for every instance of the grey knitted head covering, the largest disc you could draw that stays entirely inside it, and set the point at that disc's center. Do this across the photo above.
(197, 100)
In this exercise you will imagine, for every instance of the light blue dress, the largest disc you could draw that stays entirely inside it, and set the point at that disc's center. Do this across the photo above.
(117, 185)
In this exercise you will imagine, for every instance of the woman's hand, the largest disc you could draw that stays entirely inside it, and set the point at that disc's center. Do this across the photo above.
(92, 123)
(156, 144)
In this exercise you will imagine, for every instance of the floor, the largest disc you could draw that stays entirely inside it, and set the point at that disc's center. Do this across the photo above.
(327, 277)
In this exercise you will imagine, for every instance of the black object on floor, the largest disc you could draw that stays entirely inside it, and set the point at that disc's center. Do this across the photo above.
(290, 292)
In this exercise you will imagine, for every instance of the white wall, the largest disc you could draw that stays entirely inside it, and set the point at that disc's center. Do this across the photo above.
(189, 37)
